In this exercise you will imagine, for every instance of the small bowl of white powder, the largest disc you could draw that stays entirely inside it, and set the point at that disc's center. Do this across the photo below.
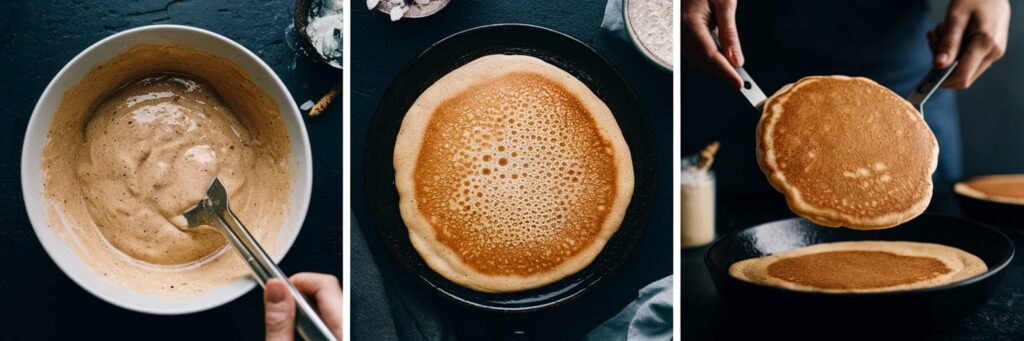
(319, 24)
(649, 23)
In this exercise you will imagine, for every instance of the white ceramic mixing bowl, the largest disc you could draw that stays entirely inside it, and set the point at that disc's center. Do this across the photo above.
(99, 53)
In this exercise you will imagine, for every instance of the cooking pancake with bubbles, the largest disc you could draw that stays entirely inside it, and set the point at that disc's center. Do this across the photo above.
(846, 151)
(511, 174)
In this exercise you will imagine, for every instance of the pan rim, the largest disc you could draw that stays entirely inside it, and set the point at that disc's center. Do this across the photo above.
(644, 196)
(999, 201)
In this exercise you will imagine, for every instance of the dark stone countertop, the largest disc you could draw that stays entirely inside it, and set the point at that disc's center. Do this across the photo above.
(382, 48)
(37, 301)
(704, 314)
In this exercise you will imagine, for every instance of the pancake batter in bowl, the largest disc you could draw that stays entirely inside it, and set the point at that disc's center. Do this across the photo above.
(151, 150)
(137, 143)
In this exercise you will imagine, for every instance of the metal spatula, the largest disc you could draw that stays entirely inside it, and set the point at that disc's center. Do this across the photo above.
(751, 91)
(213, 211)
(921, 92)
(927, 86)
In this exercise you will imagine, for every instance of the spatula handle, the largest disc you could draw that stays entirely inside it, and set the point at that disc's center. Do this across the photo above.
(929, 84)
(307, 322)
(751, 91)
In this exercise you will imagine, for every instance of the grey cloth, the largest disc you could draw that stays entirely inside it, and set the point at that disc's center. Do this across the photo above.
(648, 317)
(387, 304)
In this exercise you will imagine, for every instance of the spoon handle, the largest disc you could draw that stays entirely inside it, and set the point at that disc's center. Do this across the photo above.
(308, 323)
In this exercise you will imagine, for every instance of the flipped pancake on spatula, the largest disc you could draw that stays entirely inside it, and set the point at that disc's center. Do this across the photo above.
(846, 151)
(511, 174)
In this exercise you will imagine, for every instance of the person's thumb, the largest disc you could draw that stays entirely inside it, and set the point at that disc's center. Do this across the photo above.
(279, 311)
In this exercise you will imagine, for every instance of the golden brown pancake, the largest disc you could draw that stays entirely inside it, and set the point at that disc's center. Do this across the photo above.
(846, 151)
(865, 266)
(511, 173)
(1007, 189)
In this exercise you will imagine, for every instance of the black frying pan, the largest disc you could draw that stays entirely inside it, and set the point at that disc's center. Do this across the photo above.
(553, 47)
(918, 312)
(1003, 215)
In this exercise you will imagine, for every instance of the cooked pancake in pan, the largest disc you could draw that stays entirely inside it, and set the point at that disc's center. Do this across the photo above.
(846, 151)
(1006, 188)
(511, 174)
(859, 267)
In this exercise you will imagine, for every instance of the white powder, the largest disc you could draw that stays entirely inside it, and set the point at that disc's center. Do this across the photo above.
(324, 30)
(690, 174)
(397, 9)
(651, 21)
(694, 176)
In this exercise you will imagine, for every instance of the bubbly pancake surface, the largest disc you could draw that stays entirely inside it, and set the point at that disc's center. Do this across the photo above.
(868, 266)
(491, 205)
(847, 152)
(512, 180)
(1007, 188)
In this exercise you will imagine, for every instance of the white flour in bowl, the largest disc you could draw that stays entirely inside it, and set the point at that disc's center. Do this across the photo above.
(651, 23)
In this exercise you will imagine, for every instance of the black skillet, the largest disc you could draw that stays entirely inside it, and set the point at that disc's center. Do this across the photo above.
(999, 214)
(793, 313)
(553, 47)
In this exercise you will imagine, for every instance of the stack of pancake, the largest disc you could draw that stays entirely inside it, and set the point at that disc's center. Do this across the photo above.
(511, 173)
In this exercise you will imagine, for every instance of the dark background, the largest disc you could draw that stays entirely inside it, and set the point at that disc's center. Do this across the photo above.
(991, 114)
(37, 301)
(381, 48)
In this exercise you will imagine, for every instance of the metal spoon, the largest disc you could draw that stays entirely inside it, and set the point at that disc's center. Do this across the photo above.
(213, 211)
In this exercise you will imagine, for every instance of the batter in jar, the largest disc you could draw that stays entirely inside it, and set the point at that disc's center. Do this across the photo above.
(138, 142)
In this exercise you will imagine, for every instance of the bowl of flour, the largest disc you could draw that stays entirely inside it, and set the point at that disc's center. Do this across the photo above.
(649, 23)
